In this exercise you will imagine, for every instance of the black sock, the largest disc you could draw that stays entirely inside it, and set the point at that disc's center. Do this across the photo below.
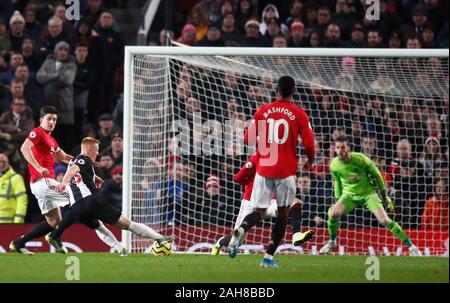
(224, 241)
(250, 220)
(295, 215)
(278, 231)
(39, 230)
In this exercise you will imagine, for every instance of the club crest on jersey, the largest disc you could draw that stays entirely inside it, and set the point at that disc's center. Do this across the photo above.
(353, 178)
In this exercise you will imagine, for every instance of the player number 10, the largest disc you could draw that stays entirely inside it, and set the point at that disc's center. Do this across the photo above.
(274, 126)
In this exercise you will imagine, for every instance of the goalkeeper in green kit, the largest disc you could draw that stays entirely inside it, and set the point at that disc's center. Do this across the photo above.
(354, 176)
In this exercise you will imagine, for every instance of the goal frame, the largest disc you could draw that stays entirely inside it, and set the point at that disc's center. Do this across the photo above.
(229, 51)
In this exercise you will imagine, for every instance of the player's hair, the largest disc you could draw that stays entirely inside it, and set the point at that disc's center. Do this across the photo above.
(342, 139)
(48, 109)
(89, 140)
(286, 86)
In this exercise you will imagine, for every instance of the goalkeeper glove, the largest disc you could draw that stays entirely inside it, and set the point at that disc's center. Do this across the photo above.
(388, 202)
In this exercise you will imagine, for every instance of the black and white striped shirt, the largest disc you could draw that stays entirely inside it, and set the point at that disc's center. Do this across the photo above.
(82, 184)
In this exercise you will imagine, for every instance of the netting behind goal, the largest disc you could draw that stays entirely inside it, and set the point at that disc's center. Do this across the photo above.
(188, 114)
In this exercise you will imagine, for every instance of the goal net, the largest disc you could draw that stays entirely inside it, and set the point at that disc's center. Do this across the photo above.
(187, 110)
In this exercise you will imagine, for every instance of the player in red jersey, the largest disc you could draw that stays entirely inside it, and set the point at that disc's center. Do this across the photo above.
(40, 149)
(245, 177)
(275, 129)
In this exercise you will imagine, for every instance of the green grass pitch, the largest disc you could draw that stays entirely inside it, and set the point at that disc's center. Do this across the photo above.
(104, 267)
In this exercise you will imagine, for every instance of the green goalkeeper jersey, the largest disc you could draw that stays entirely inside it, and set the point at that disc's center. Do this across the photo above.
(358, 177)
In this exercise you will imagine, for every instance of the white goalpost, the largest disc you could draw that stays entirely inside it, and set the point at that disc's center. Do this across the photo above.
(186, 110)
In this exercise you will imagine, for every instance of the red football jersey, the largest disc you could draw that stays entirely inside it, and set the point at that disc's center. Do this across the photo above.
(277, 126)
(44, 150)
(246, 175)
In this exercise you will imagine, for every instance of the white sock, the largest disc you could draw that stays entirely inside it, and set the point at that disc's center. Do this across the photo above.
(267, 256)
(108, 237)
(144, 231)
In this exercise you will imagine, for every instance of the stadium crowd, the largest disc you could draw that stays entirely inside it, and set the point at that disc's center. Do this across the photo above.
(78, 66)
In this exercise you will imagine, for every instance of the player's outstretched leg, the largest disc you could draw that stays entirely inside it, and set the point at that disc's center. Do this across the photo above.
(278, 231)
(396, 230)
(53, 218)
(333, 223)
(295, 215)
(222, 242)
(238, 234)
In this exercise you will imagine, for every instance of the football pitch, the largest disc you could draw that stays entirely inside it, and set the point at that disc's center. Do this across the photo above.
(105, 267)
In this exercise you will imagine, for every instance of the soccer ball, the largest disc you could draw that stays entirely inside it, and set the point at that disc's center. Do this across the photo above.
(162, 249)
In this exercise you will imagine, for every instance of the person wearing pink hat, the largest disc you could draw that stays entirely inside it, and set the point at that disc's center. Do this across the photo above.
(188, 35)
(297, 35)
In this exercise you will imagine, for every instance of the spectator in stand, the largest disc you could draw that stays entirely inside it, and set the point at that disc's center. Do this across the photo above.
(107, 164)
(435, 214)
(252, 36)
(428, 37)
(112, 188)
(419, 22)
(83, 81)
(315, 40)
(323, 19)
(31, 90)
(199, 17)
(211, 207)
(404, 153)
(297, 35)
(16, 90)
(410, 193)
(84, 35)
(357, 37)
(273, 30)
(112, 56)
(295, 13)
(60, 12)
(93, 12)
(333, 36)
(245, 12)
(5, 43)
(374, 39)
(17, 31)
(106, 130)
(54, 35)
(395, 40)
(13, 195)
(413, 42)
(313, 204)
(279, 41)
(15, 60)
(213, 8)
(187, 35)
(213, 36)
(117, 148)
(369, 145)
(270, 13)
(431, 156)
(31, 56)
(57, 75)
(229, 30)
(60, 171)
(16, 124)
(33, 27)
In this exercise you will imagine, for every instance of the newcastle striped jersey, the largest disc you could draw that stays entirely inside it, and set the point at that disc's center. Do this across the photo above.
(82, 184)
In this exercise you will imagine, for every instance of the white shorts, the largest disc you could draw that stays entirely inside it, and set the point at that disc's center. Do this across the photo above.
(265, 188)
(47, 198)
(247, 208)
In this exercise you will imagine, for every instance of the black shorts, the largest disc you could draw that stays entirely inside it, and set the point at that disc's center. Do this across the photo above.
(94, 207)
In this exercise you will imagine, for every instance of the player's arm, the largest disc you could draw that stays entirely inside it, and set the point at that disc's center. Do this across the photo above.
(246, 173)
(70, 173)
(307, 135)
(375, 173)
(337, 184)
(27, 153)
(61, 156)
